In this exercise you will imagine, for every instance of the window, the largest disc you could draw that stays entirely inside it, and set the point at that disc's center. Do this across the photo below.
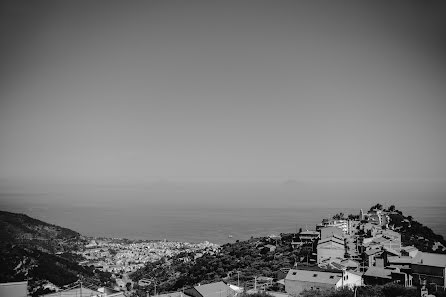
(314, 275)
(332, 276)
(294, 273)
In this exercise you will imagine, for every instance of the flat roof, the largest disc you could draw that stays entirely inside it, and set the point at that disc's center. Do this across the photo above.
(314, 276)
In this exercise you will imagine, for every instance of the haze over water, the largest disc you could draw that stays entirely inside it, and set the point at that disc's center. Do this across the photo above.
(99, 97)
(213, 211)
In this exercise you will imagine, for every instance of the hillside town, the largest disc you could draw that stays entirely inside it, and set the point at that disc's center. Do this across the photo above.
(123, 256)
(357, 253)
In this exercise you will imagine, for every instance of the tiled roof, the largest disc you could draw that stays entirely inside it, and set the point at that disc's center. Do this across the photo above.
(429, 259)
(378, 272)
(392, 251)
(350, 263)
(400, 260)
(331, 239)
(218, 289)
(314, 276)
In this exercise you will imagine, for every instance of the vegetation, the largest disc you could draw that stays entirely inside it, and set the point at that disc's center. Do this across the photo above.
(26, 231)
(28, 251)
(19, 263)
(413, 233)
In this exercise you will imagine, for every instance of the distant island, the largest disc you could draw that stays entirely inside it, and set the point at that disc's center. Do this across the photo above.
(379, 246)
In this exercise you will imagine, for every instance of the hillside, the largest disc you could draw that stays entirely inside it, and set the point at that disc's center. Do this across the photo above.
(413, 233)
(40, 252)
(252, 258)
(26, 231)
(19, 263)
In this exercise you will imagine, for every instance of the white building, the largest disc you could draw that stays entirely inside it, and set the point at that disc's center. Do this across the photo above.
(298, 280)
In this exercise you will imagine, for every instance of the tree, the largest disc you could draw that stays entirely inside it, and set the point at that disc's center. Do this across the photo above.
(353, 217)
(338, 216)
(391, 208)
(128, 286)
(376, 206)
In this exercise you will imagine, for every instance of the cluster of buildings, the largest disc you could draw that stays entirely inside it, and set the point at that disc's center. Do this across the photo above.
(365, 251)
(115, 256)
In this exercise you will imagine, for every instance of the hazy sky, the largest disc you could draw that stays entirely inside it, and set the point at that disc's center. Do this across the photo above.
(102, 90)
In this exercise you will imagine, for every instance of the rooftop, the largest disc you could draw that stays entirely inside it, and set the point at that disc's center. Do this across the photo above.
(307, 232)
(379, 272)
(314, 276)
(400, 260)
(430, 259)
(217, 289)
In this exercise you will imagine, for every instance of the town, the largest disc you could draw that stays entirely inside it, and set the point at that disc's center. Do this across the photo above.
(123, 256)
(352, 254)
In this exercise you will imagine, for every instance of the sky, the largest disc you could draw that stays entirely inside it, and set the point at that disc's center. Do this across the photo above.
(231, 90)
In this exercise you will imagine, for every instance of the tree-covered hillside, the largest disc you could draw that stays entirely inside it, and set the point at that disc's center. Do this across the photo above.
(26, 231)
(252, 258)
(28, 252)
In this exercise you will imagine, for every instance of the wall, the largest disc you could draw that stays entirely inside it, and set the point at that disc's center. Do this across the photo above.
(323, 253)
(430, 273)
(296, 287)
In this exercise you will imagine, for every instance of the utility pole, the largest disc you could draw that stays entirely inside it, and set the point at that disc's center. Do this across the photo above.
(238, 278)
(80, 286)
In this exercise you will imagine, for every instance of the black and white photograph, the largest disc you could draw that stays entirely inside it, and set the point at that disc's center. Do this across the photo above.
(222, 148)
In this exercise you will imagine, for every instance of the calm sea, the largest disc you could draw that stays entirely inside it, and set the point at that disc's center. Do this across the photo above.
(216, 212)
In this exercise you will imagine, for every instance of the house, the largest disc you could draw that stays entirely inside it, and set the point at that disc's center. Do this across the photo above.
(381, 276)
(298, 280)
(309, 236)
(217, 289)
(341, 224)
(402, 262)
(340, 264)
(430, 267)
(410, 251)
(14, 289)
(377, 276)
(371, 255)
(350, 264)
(329, 248)
(328, 232)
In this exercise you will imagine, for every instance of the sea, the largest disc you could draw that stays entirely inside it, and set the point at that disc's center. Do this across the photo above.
(217, 212)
